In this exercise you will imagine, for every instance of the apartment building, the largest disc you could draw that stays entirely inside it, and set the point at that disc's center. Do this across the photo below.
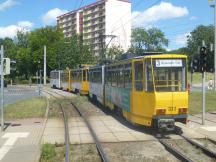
(100, 22)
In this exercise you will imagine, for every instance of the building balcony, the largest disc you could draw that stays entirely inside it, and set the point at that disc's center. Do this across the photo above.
(94, 18)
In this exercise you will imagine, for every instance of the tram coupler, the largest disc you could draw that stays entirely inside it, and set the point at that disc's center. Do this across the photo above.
(166, 125)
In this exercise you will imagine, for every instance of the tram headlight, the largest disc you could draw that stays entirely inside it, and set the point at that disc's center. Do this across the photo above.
(182, 110)
(161, 111)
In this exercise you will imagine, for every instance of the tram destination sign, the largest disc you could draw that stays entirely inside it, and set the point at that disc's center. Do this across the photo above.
(168, 63)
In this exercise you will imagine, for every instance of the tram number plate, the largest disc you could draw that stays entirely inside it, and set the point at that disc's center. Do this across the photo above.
(171, 108)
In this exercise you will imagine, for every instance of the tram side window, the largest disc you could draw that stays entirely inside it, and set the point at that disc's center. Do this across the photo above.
(74, 76)
(84, 75)
(79, 76)
(108, 76)
(128, 76)
(148, 76)
(138, 66)
(120, 76)
(114, 77)
(87, 74)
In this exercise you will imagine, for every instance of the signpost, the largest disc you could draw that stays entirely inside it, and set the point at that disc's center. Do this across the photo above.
(45, 49)
(203, 65)
(2, 88)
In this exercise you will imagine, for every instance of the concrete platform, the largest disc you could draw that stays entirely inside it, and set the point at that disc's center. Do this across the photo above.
(22, 143)
(209, 129)
(106, 127)
(54, 132)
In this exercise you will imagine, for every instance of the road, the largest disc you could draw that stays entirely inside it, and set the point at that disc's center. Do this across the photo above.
(15, 93)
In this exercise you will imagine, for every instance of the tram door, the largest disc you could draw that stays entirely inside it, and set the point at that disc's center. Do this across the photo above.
(138, 87)
(85, 75)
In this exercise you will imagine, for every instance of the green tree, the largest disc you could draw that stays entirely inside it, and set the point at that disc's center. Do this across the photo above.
(72, 52)
(114, 52)
(149, 40)
(49, 36)
(9, 48)
(195, 39)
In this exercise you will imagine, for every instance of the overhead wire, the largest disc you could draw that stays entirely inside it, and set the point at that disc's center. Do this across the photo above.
(80, 4)
(126, 13)
(137, 15)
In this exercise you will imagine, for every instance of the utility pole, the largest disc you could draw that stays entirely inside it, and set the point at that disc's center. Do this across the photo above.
(2, 88)
(203, 63)
(45, 65)
(191, 66)
(214, 45)
(40, 83)
(213, 5)
(103, 50)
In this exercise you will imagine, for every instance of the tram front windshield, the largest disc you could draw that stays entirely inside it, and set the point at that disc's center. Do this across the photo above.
(169, 75)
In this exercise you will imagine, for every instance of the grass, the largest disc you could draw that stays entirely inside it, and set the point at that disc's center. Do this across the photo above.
(52, 153)
(197, 77)
(48, 152)
(29, 108)
(195, 102)
(79, 100)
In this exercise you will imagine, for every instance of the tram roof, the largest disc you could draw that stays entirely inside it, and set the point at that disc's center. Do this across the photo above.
(161, 56)
(154, 56)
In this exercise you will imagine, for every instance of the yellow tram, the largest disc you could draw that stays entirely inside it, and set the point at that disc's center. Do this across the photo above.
(80, 80)
(66, 80)
(149, 90)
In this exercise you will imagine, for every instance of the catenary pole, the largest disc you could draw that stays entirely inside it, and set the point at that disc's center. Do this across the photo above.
(45, 65)
(214, 47)
(203, 92)
(2, 88)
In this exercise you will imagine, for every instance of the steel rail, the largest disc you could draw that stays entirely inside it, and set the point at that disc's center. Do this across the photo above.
(97, 142)
(67, 148)
(211, 140)
(66, 134)
(204, 149)
(201, 118)
(175, 152)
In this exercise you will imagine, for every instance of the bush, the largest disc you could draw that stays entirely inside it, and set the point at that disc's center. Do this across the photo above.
(23, 82)
(48, 152)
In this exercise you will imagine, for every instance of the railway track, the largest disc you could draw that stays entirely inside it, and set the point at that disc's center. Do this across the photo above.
(95, 138)
(201, 118)
(184, 157)
(178, 153)
(97, 142)
(65, 119)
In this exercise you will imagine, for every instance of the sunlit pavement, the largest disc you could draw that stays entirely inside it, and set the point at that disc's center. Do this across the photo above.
(209, 129)
(20, 142)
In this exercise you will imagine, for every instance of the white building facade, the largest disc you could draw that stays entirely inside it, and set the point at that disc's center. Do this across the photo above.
(99, 22)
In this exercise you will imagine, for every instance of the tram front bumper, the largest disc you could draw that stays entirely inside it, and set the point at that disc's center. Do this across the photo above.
(166, 124)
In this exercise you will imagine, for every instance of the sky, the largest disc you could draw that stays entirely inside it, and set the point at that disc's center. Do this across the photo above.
(176, 18)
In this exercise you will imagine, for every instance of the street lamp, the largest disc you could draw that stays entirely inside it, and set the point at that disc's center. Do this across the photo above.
(213, 5)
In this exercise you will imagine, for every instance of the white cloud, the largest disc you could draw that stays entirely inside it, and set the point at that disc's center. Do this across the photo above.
(11, 30)
(51, 16)
(25, 24)
(163, 11)
(193, 18)
(181, 40)
(7, 4)
(168, 49)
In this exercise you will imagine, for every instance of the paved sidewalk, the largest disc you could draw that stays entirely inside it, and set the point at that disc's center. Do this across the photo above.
(209, 129)
(21, 142)
(107, 128)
